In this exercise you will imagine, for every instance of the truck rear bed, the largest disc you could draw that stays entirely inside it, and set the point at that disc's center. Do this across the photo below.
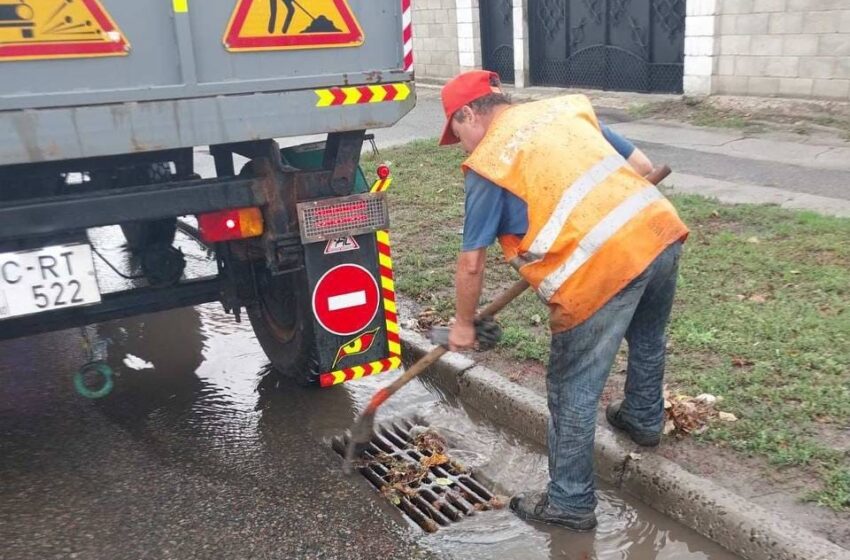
(178, 85)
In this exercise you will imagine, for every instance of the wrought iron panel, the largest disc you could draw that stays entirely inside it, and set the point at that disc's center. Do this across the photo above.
(628, 45)
(497, 38)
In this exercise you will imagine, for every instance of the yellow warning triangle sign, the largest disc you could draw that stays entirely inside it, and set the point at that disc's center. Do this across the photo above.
(268, 25)
(48, 29)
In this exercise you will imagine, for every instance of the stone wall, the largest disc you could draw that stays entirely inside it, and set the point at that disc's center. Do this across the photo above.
(790, 48)
(435, 38)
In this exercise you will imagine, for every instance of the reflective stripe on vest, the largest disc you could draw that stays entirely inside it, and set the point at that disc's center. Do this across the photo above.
(597, 237)
(571, 198)
(594, 224)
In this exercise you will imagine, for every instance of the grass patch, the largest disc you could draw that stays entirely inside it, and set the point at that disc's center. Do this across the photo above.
(696, 112)
(761, 314)
(702, 112)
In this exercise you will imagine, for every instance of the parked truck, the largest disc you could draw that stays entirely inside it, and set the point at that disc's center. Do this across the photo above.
(104, 105)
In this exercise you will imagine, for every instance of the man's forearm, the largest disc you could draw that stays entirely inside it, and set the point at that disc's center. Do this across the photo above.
(469, 279)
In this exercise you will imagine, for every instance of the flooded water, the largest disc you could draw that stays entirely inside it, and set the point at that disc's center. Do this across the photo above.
(627, 528)
(190, 394)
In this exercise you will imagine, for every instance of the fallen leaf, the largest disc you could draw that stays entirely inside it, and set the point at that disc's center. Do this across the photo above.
(669, 427)
(758, 298)
(727, 417)
(753, 240)
(443, 481)
(689, 415)
(498, 502)
(536, 319)
(434, 460)
(742, 362)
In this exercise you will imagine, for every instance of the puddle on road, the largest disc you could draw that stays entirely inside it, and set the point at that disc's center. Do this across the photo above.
(202, 404)
(627, 528)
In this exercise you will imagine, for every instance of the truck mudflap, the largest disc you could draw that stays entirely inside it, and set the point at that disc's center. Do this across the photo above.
(351, 286)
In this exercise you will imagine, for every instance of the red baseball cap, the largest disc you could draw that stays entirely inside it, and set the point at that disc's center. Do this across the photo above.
(462, 90)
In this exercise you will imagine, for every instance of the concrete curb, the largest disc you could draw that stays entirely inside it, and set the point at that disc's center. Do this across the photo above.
(734, 522)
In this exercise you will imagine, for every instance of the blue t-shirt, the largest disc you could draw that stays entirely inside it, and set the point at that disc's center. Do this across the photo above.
(491, 211)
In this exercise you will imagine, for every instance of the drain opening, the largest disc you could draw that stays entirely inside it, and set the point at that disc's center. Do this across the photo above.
(406, 463)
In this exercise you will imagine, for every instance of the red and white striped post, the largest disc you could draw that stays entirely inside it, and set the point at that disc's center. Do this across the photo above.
(407, 34)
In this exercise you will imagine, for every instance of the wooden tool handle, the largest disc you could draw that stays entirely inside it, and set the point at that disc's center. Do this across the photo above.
(659, 174)
(421, 365)
(503, 299)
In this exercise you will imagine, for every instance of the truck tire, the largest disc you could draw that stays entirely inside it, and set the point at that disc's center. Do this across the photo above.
(142, 235)
(281, 322)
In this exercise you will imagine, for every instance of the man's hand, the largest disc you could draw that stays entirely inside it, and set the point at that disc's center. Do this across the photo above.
(468, 280)
(462, 336)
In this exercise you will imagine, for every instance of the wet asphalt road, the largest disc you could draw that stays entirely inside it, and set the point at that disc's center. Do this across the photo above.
(188, 459)
(198, 454)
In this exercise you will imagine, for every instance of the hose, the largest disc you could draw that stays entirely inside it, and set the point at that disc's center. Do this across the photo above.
(100, 369)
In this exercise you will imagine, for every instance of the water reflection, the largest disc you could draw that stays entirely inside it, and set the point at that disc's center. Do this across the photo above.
(207, 403)
(173, 344)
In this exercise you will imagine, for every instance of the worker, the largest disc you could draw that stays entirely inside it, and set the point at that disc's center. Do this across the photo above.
(568, 201)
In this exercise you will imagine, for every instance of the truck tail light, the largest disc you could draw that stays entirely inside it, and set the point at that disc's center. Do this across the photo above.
(228, 225)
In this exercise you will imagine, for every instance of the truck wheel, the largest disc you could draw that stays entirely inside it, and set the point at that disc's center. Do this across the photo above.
(141, 235)
(282, 325)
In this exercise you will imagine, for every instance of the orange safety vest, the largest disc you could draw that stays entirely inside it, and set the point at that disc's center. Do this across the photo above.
(594, 223)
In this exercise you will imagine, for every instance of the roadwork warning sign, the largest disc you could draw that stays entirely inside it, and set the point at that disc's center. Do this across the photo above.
(50, 29)
(269, 25)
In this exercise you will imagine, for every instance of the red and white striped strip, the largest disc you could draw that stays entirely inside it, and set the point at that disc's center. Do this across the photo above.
(407, 34)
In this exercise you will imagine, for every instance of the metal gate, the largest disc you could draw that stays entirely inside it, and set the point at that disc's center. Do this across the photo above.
(497, 38)
(627, 45)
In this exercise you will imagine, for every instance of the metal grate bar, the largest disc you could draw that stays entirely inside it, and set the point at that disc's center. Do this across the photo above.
(431, 496)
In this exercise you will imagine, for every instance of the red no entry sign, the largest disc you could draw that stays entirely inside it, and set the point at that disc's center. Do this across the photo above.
(346, 299)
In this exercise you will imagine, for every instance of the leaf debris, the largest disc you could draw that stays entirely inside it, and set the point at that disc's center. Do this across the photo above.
(685, 415)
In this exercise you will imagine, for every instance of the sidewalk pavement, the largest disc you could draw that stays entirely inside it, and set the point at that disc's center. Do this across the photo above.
(792, 171)
(737, 193)
(749, 170)
(832, 155)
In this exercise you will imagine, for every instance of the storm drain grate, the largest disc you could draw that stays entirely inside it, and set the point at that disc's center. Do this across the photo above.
(407, 463)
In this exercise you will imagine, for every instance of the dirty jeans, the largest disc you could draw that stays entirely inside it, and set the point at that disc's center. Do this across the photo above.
(578, 369)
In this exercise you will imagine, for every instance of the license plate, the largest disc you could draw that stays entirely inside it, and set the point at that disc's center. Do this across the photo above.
(46, 279)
